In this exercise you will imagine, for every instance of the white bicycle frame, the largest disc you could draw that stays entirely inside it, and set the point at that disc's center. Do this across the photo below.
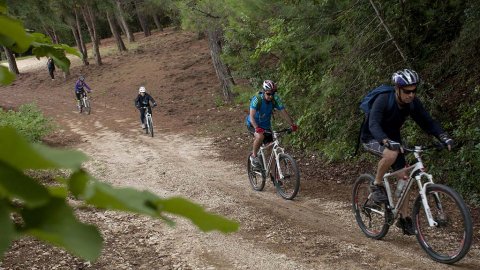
(147, 115)
(276, 151)
(84, 99)
(417, 172)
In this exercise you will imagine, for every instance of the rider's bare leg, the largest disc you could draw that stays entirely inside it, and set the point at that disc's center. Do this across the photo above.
(388, 158)
(257, 143)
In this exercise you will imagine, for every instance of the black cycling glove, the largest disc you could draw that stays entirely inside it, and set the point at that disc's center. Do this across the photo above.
(445, 139)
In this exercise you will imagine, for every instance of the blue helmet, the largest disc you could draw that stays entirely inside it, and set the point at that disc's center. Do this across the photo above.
(405, 77)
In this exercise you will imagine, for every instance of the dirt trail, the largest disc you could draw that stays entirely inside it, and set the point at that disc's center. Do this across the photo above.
(315, 231)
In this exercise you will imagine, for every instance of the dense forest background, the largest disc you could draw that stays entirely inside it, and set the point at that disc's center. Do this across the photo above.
(324, 54)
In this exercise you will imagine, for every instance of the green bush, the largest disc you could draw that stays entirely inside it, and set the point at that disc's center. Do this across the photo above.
(28, 121)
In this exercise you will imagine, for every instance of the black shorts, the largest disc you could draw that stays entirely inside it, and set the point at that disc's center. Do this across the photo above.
(268, 134)
(375, 148)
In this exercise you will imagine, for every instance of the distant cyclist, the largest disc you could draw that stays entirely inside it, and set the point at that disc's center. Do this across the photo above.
(143, 100)
(51, 68)
(260, 114)
(80, 86)
(381, 133)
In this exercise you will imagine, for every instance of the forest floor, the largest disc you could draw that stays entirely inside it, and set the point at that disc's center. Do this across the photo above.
(199, 151)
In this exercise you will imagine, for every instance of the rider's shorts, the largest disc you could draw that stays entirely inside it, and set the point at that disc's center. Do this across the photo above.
(376, 148)
(268, 134)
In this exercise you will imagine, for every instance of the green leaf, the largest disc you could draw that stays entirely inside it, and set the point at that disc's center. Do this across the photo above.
(7, 230)
(204, 220)
(14, 30)
(18, 153)
(6, 77)
(58, 55)
(3, 6)
(15, 184)
(105, 196)
(70, 50)
(55, 223)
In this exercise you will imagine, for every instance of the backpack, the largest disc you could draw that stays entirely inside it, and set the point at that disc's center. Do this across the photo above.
(367, 102)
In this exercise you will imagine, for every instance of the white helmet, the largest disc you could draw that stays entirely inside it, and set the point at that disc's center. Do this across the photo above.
(141, 89)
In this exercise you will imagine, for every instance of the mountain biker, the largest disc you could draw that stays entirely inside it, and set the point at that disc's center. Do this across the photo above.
(143, 100)
(380, 133)
(51, 68)
(259, 120)
(80, 86)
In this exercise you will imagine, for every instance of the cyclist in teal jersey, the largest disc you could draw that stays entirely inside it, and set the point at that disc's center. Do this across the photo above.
(259, 118)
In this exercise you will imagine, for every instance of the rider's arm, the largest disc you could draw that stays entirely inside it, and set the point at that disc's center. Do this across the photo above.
(424, 120)
(252, 117)
(153, 101)
(88, 87)
(379, 108)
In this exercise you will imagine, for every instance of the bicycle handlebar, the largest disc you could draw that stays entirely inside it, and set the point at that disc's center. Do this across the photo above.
(285, 130)
(421, 148)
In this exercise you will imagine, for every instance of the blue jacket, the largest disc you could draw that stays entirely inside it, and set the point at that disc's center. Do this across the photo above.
(264, 115)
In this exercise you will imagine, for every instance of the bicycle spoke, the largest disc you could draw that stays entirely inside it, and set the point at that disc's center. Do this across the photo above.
(287, 177)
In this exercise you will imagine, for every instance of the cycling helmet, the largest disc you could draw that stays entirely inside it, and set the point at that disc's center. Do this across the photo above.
(269, 85)
(405, 77)
(142, 89)
(81, 78)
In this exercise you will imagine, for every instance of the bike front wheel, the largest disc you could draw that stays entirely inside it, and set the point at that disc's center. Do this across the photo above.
(372, 218)
(450, 239)
(150, 125)
(257, 179)
(288, 185)
(87, 106)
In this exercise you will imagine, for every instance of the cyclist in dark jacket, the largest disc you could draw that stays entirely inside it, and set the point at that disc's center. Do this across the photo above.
(143, 100)
(381, 132)
(51, 67)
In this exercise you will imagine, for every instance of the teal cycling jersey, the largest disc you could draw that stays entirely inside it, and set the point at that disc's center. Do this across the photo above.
(264, 114)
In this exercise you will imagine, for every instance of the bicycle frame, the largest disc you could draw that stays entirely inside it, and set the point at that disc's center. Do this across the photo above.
(417, 172)
(275, 153)
(84, 99)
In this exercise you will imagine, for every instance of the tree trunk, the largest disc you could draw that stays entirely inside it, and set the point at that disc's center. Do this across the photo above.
(223, 72)
(141, 17)
(122, 28)
(90, 22)
(156, 19)
(12, 64)
(123, 22)
(113, 27)
(81, 46)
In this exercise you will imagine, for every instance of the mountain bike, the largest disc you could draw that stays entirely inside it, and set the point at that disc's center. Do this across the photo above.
(441, 219)
(281, 168)
(85, 103)
(148, 121)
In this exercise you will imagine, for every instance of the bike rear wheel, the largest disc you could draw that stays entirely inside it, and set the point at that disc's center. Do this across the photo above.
(290, 184)
(150, 125)
(372, 218)
(450, 240)
(257, 179)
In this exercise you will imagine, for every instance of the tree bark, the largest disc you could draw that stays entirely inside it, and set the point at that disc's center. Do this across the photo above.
(123, 22)
(388, 32)
(223, 72)
(12, 64)
(141, 17)
(113, 27)
(81, 46)
(90, 22)
(156, 19)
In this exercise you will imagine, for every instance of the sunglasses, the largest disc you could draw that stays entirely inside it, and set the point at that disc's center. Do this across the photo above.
(408, 92)
(269, 94)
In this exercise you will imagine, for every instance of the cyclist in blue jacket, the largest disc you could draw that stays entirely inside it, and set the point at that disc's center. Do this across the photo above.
(380, 133)
(80, 86)
(260, 114)
(143, 100)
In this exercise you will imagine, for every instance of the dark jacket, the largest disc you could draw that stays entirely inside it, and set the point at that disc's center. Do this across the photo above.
(383, 122)
(144, 101)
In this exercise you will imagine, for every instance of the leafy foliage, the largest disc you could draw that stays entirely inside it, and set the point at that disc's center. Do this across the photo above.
(29, 121)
